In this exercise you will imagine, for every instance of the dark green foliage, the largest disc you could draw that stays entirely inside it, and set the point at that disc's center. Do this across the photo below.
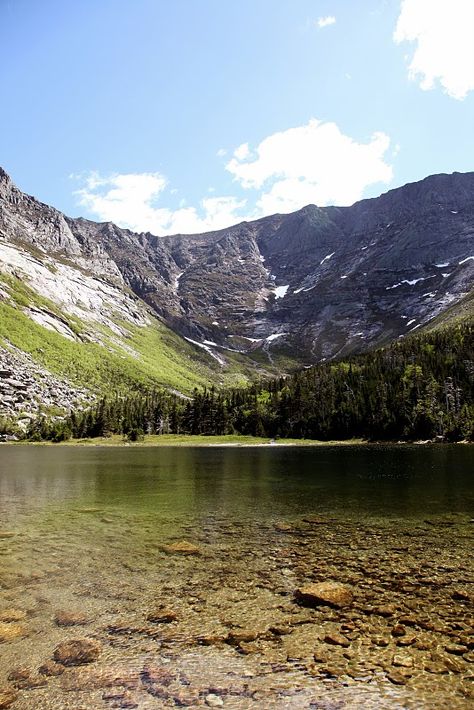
(135, 435)
(421, 387)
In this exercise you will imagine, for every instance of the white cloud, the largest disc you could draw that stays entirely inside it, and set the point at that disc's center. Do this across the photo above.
(326, 21)
(129, 200)
(242, 151)
(443, 31)
(314, 163)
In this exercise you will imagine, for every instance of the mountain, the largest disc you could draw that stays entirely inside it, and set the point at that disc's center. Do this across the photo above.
(94, 306)
(312, 284)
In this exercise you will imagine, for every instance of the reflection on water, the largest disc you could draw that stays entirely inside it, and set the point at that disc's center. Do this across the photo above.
(249, 482)
(86, 529)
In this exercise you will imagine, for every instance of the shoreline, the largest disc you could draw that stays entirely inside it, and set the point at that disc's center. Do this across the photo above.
(226, 441)
(175, 440)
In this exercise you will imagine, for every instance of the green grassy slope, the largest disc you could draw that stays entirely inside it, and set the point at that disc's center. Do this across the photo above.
(162, 357)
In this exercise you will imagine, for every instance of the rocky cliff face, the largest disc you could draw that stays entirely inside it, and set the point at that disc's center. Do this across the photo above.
(315, 283)
(310, 285)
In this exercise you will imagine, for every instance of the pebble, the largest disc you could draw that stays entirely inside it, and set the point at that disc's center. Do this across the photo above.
(399, 630)
(214, 701)
(456, 649)
(336, 639)
(397, 678)
(402, 661)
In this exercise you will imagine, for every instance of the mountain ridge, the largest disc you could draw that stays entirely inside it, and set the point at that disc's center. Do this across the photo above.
(262, 297)
(278, 239)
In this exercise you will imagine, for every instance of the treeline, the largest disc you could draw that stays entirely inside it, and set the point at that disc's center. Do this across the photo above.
(421, 387)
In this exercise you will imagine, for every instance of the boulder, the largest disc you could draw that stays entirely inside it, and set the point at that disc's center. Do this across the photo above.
(324, 593)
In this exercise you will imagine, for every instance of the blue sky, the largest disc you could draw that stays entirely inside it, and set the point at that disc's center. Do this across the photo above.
(186, 115)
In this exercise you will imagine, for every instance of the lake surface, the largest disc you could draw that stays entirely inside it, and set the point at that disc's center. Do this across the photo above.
(86, 552)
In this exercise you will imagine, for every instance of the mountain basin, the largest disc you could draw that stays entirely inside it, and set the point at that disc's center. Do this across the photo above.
(174, 570)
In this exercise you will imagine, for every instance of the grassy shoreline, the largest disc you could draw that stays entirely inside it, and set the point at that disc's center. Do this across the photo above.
(153, 440)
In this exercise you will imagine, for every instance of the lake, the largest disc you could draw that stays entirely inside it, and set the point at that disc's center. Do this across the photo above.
(175, 570)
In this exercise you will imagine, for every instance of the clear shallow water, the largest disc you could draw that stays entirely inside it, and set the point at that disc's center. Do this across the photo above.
(84, 530)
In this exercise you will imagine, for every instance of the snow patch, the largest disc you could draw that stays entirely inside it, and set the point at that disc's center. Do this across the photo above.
(252, 340)
(411, 282)
(326, 258)
(468, 258)
(442, 266)
(454, 211)
(280, 291)
(207, 349)
(273, 337)
(446, 274)
(176, 281)
(410, 322)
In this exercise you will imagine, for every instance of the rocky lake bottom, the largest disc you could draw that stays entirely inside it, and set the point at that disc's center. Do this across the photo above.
(248, 596)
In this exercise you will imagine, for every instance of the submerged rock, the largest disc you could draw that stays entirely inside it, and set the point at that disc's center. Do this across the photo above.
(70, 618)
(123, 699)
(336, 639)
(397, 678)
(182, 548)
(8, 631)
(402, 661)
(51, 668)
(77, 651)
(8, 695)
(162, 616)
(456, 648)
(398, 630)
(324, 593)
(283, 527)
(9, 615)
(239, 636)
